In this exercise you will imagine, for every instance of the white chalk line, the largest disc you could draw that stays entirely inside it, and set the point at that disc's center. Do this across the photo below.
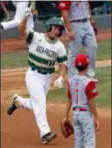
(20, 71)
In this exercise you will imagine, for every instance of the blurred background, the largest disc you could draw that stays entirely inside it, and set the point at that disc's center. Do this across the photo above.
(101, 11)
(46, 9)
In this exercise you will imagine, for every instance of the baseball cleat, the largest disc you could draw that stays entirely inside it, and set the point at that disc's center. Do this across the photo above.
(48, 137)
(13, 106)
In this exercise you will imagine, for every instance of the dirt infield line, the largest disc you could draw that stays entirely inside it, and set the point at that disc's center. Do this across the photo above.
(20, 71)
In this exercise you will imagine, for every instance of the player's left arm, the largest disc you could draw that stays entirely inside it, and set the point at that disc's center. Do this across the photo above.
(69, 104)
(62, 60)
(92, 92)
(62, 69)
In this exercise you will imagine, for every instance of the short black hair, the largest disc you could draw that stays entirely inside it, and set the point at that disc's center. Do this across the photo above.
(81, 68)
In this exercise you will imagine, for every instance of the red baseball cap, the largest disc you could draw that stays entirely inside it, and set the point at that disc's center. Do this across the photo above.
(81, 60)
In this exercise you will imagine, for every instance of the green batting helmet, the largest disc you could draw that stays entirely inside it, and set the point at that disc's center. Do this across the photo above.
(54, 21)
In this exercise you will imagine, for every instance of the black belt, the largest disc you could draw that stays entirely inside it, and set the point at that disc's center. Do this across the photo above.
(39, 71)
(79, 21)
(79, 109)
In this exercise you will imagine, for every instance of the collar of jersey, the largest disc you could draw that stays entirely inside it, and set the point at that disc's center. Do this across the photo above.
(78, 77)
(50, 41)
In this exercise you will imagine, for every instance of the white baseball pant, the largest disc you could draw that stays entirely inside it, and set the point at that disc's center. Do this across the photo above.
(38, 86)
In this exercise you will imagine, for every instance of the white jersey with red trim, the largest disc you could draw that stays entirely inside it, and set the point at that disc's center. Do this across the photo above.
(77, 9)
(81, 89)
(79, 14)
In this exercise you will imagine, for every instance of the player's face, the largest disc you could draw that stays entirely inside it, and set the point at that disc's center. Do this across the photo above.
(55, 31)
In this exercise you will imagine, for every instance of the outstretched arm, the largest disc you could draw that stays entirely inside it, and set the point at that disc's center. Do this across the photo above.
(22, 27)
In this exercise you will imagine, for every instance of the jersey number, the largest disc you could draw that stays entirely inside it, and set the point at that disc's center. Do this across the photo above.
(51, 63)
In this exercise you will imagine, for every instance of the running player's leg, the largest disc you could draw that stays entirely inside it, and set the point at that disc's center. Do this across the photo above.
(35, 85)
(91, 44)
(24, 103)
(75, 47)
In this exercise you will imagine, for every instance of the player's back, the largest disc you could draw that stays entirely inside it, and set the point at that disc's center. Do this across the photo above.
(78, 85)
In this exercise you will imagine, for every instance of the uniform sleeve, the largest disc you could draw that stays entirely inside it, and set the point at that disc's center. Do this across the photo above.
(31, 36)
(91, 90)
(64, 5)
(62, 55)
(68, 92)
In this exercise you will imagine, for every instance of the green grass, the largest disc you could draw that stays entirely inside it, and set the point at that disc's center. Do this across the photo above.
(104, 50)
(19, 59)
(104, 88)
(14, 60)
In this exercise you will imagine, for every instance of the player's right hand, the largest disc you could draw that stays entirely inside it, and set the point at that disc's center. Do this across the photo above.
(28, 11)
(71, 35)
(97, 125)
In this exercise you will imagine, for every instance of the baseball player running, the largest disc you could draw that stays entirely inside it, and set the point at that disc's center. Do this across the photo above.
(77, 18)
(19, 15)
(81, 94)
(44, 51)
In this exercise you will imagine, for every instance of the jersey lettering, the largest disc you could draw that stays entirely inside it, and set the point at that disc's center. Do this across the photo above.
(46, 51)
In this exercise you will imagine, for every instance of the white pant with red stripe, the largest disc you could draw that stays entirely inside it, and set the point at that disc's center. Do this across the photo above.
(84, 130)
(38, 86)
(84, 38)
(20, 7)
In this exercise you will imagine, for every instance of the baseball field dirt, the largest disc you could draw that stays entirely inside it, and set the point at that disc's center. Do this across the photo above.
(11, 45)
(20, 130)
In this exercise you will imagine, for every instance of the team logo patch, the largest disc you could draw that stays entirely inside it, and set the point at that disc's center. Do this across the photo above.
(94, 91)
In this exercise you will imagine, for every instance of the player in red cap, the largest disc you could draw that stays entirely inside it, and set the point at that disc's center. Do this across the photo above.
(82, 61)
(81, 94)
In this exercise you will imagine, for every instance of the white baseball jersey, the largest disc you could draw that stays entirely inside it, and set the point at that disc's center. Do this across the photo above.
(77, 9)
(17, 1)
(43, 53)
(80, 90)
